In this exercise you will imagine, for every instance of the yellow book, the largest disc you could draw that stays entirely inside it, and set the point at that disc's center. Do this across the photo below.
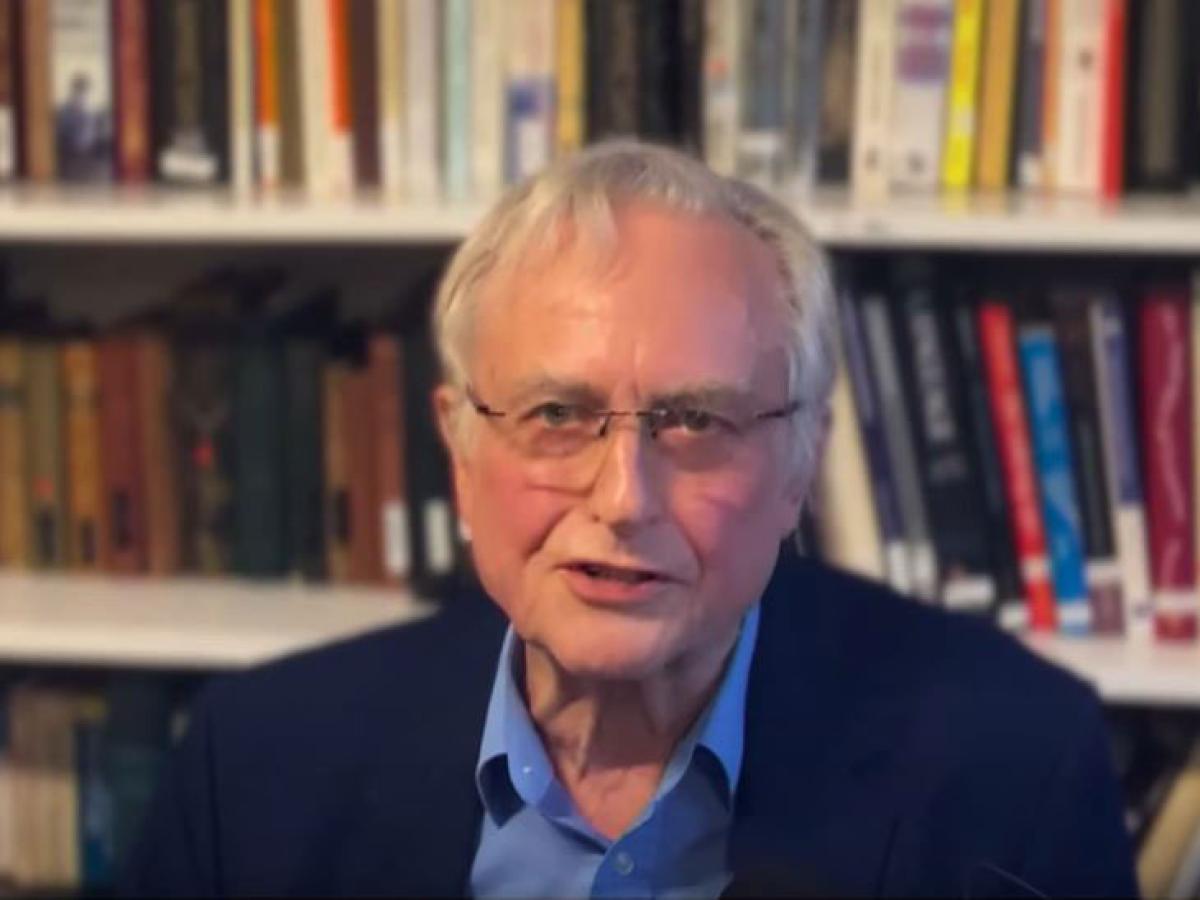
(569, 75)
(14, 483)
(998, 93)
(958, 155)
(85, 481)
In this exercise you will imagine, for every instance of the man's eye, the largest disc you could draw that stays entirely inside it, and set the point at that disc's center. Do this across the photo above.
(553, 414)
(697, 420)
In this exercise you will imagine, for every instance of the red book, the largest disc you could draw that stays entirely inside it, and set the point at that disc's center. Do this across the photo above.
(383, 354)
(121, 453)
(1165, 387)
(132, 75)
(1006, 400)
(1112, 152)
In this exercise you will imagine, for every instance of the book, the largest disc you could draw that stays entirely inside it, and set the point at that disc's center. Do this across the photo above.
(1030, 70)
(722, 64)
(1164, 382)
(690, 76)
(874, 74)
(338, 523)
(303, 359)
(1112, 153)
(36, 100)
(8, 91)
(838, 90)
(86, 519)
(364, 89)
(762, 128)
(46, 455)
(488, 60)
(899, 441)
(897, 567)
(611, 74)
(1051, 75)
(365, 563)
(529, 90)
(1158, 104)
(1069, 308)
(15, 537)
(1110, 353)
(422, 89)
(387, 393)
(1006, 399)
(962, 106)
(456, 100)
(267, 137)
(1081, 106)
(570, 50)
(159, 454)
(659, 56)
(389, 50)
(803, 68)
(923, 37)
(333, 36)
(292, 163)
(82, 74)
(240, 102)
(997, 94)
(131, 50)
(121, 452)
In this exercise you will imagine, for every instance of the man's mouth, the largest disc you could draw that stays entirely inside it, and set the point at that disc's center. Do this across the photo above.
(620, 574)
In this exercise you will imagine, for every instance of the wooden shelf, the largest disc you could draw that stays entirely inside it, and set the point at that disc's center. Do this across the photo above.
(182, 623)
(1147, 674)
(82, 215)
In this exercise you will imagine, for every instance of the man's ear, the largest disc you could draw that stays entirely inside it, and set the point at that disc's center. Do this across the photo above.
(445, 412)
(799, 488)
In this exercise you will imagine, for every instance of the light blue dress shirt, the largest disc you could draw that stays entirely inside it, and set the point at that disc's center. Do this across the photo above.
(533, 843)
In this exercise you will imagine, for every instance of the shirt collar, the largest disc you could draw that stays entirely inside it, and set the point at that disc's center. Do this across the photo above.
(509, 735)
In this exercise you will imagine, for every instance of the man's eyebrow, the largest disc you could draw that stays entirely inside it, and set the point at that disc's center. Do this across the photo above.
(707, 393)
(543, 385)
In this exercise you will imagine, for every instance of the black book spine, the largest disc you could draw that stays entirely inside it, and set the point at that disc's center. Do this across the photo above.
(303, 363)
(612, 68)
(1159, 48)
(259, 545)
(659, 53)
(690, 87)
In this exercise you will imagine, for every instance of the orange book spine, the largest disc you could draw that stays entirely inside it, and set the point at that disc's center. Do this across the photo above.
(37, 113)
(133, 90)
(266, 81)
(86, 538)
(159, 456)
(1051, 73)
(341, 110)
(14, 481)
(1112, 158)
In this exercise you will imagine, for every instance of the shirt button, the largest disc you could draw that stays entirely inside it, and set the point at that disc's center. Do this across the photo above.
(623, 863)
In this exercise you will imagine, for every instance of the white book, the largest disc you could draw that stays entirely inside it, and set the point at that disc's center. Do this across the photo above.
(389, 35)
(722, 60)
(82, 76)
(316, 86)
(456, 99)
(529, 88)
(874, 78)
(1110, 356)
(846, 513)
(922, 66)
(241, 95)
(1076, 167)
(487, 96)
(422, 82)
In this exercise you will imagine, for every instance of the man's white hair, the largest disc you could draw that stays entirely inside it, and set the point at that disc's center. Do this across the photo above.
(580, 193)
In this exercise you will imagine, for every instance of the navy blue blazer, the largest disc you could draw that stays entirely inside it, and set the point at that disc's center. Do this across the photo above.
(890, 749)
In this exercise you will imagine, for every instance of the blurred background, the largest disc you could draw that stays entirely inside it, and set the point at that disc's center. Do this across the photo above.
(223, 220)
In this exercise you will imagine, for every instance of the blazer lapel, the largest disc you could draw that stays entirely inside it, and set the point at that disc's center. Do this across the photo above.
(817, 809)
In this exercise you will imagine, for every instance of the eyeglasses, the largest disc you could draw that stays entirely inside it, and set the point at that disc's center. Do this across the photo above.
(563, 436)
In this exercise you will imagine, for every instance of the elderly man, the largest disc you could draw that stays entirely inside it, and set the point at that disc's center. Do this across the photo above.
(637, 358)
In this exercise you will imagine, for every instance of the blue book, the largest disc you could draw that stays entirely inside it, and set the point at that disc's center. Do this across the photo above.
(1042, 377)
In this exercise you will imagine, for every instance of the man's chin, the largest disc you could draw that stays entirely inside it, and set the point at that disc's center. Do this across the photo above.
(610, 659)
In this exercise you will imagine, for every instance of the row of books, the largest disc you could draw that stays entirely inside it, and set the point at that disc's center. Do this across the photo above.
(985, 452)
(225, 435)
(455, 99)
(78, 768)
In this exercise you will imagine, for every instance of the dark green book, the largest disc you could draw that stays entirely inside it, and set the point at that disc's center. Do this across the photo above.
(260, 541)
(305, 475)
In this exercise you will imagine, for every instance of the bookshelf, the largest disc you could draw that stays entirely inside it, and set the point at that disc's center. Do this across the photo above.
(1008, 222)
(1127, 672)
(182, 623)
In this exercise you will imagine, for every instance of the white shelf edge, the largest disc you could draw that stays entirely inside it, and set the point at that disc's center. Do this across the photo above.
(1125, 671)
(119, 214)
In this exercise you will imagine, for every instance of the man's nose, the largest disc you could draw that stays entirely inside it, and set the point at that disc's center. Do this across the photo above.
(627, 490)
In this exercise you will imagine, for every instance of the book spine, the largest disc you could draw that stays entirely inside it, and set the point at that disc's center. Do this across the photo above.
(962, 109)
(1110, 352)
(1029, 110)
(487, 98)
(1156, 162)
(899, 441)
(722, 75)
(387, 391)
(268, 161)
(240, 101)
(340, 116)
(923, 41)
(8, 90)
(1165, 394)
(338, 527)
(1051, 76)
(216, 114)
(838, 88)
(1052, 456)
(690, 86)
(1079, 377)
(45, 454)
(529, 91)
(1081, 97)
(81, 75)
(658, 66)
(569, 49)
(304, 458)
(883, 482)
(14, 480)
(802, 89)
(366, 542)
(293, 136)
(997, 93)
(1011, 610)
(613, 79)
(390, 55)
(364, 91)
(947, 473)
(36, 104)
(259, 539)
(848, 526)
(184, 151)
(761, 132)
(456, 100)
(85, 489)
(1112, 153)
(120, 453)
(315, 80)
(870, 165)
(159, 455)
(422, 30)
(1007, 402)
(132, 52)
